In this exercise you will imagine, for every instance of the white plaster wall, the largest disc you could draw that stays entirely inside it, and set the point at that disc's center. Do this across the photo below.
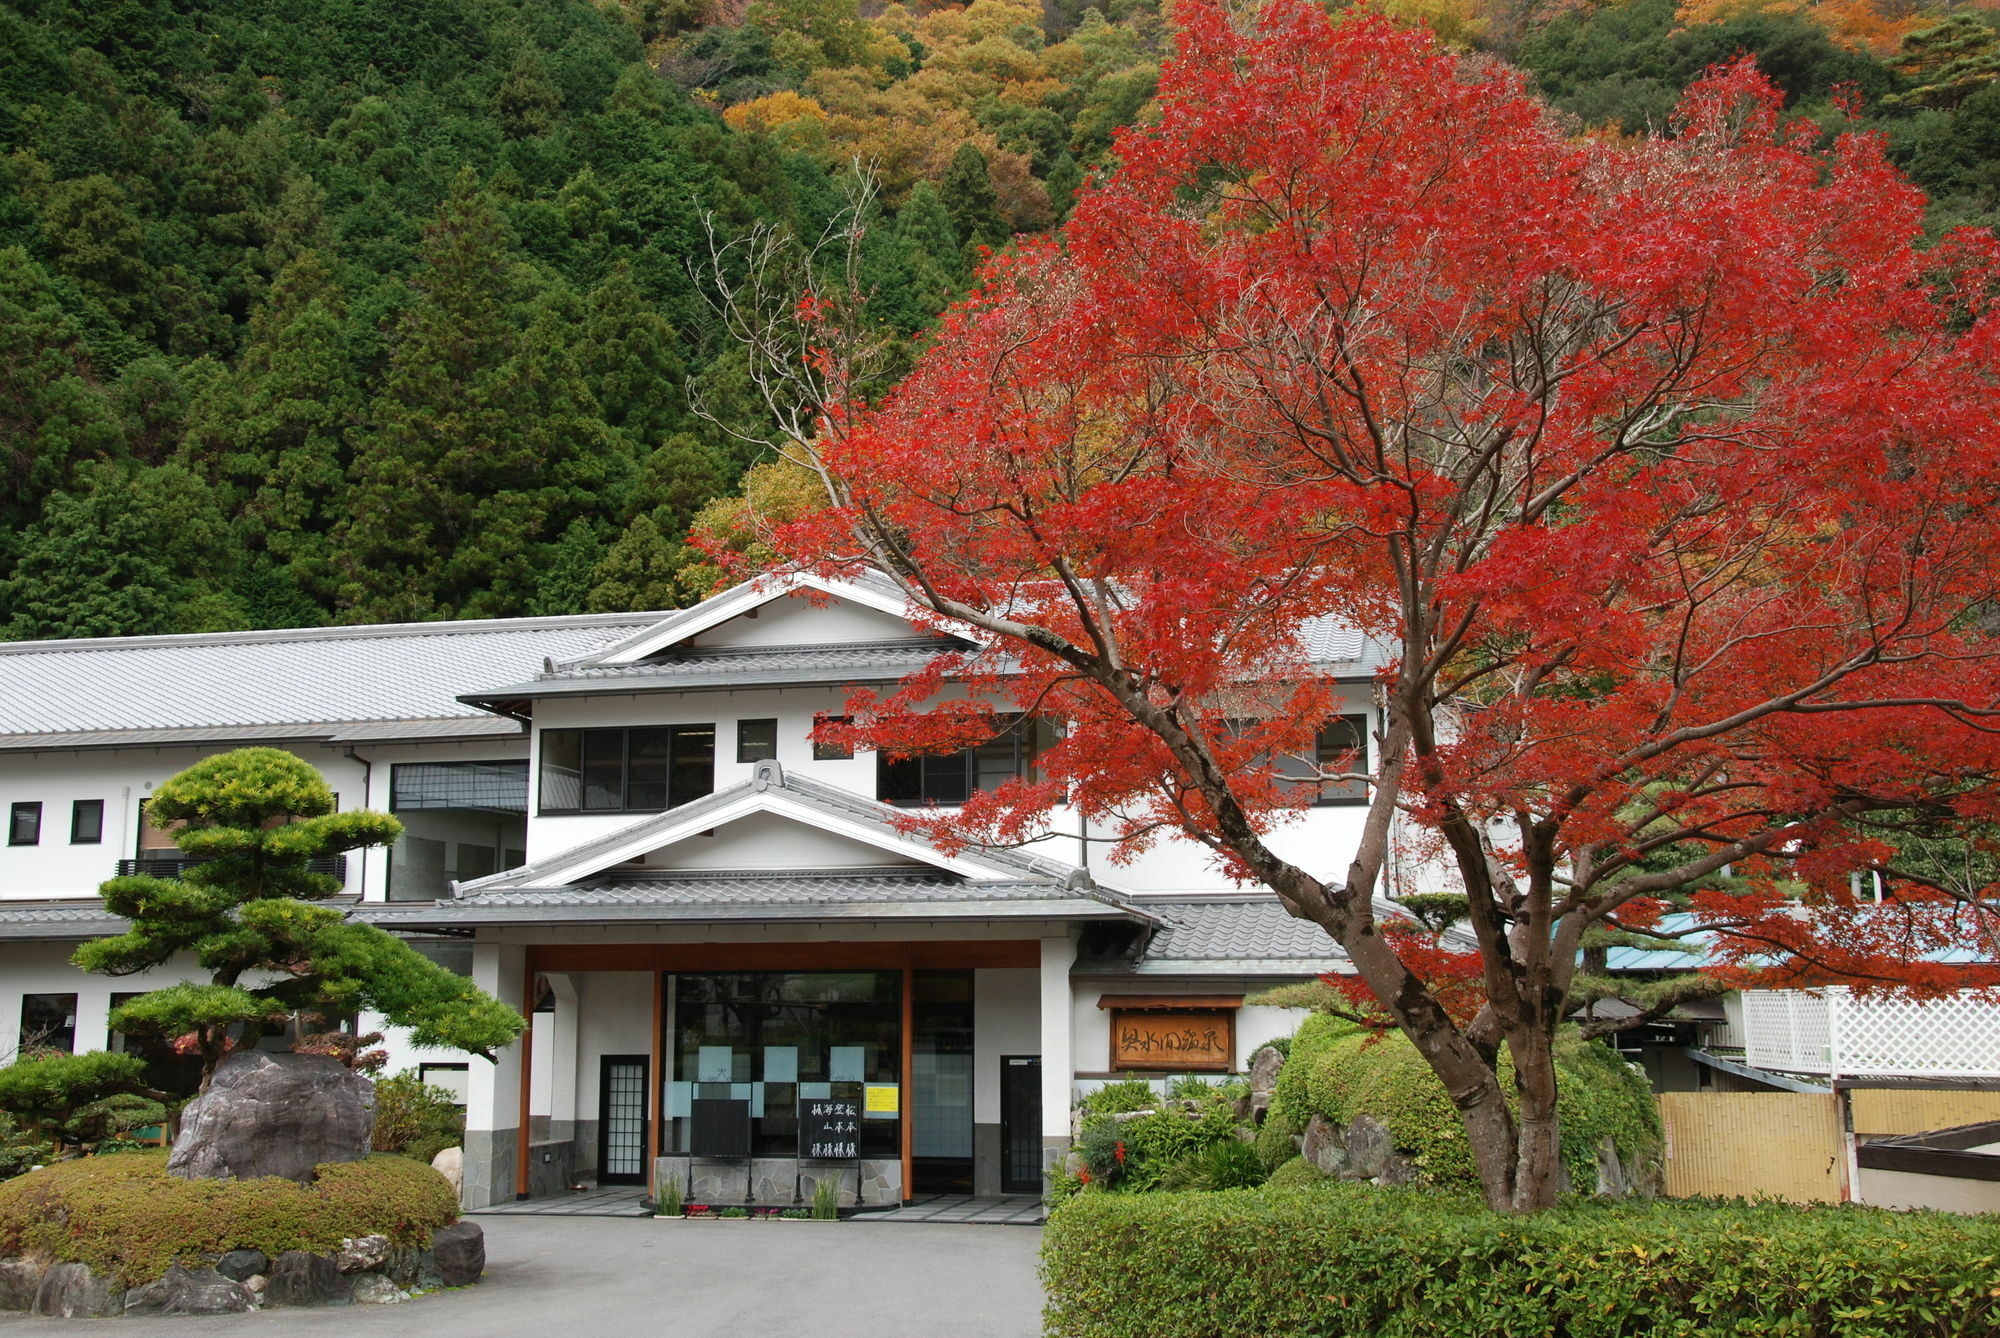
(44, 968)
(1255, 1027)
(615, 1018)
(1006, 1020)
(1905, 1189)
(793, 620)
(1258, 1027)
(767, 841)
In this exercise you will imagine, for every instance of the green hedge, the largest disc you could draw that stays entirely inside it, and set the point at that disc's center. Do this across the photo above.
(123, 1214)
(1338, 1070)
(1343, 1259)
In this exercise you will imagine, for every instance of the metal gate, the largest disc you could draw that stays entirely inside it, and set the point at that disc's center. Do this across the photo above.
(1020, 1124)
(1774, 1145)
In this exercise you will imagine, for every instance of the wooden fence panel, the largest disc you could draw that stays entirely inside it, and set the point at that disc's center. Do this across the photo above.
(1882, 1112)
(1779, 1145)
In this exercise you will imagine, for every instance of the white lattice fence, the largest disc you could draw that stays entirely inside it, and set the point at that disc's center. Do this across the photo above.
(1833, 1032)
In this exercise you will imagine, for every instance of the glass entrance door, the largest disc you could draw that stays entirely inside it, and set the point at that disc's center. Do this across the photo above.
(941, 1074)
(621, 1120)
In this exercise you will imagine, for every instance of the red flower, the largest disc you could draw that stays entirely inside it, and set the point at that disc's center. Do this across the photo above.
(1120, 1152)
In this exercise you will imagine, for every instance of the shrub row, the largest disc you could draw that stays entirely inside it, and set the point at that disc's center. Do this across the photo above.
(1342, 1259)
(124, 1215)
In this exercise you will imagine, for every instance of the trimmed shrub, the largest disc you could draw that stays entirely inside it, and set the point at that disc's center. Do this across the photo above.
(1113, 1097)
(1297, 1171)
(1340, 1259)
(415, 1120)
(124, 1215)
(1339, 1070)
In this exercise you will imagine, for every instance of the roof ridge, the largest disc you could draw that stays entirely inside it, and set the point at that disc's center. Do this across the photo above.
(344, 632)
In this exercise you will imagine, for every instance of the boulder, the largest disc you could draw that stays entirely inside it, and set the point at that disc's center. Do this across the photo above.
(1369, 1148)
(362, 1254)
(374, 1289)
(274, 1114)
(75, 1291)
(1264, 1066)
(241, 1265)
(1321, 1146)
(20, 1279)
(1610, 1171)
(460, 1250)
(298, 1278)
(189, 1291)
(413, 1270)
(450, 1164)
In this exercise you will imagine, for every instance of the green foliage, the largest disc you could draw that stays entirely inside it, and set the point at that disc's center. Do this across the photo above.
(1338, 1070)
(126, 1217)
(1132, 1094)
(1408, 1263)
(1297, 1171)
(257, 817)
(21, 1149)
(1274, 1138)
(1228, 1163)
(1136, 1153)
(415, 1120)
(669, 1202)
(826, 1200)
(79, 1099)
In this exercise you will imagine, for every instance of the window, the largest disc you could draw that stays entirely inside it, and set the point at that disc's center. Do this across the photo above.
(756, 740)
(626, 770)
(48, 1022)
(86, 822)
(1342, 746)
(453, 1078)
(830, 752)
(24, 827)
(952, 778)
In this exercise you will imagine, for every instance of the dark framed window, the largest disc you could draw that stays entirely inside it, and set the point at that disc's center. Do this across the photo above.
(48, 1022)
(626, 770)
(830, 752)
(1342, 746)
(24, 823)
(86, 822)
(756, 740)
(952, 778)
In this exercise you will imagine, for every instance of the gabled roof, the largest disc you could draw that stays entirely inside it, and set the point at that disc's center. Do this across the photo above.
(869, 590)
(1245, 934)
(332, 684)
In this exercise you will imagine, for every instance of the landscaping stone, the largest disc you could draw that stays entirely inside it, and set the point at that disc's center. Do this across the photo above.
(242, 1265)
(1264, 1066)
(20, 1279)
(274, 1114)
(460, 1250)
(1369, 1148)
(186, 1291)
(450, 1164)
(74, 1291)
(374, 1289)
(413, 1270)
(362, 1254)
(255, 1285)
(1610, 1171)
(1322, 1146)
(299, 1278)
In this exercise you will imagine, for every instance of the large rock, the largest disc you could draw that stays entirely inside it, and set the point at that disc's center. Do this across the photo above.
(274, 1114)
(460, 1250)
(450, 1164)
(1322, 1148)
(413, 1270)
(188, 1291)
(362, 1254)
(374, 1289)
(74, 1291)
(20, 1279)
(299, 1278)
(242, 1265)
(1264, 1066)
(1370, 1148)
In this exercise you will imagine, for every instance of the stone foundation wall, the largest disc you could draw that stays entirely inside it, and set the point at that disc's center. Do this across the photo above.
(489, 1167)
(780, 1181)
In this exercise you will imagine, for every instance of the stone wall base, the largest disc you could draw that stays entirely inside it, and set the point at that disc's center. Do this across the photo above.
(780, 1181)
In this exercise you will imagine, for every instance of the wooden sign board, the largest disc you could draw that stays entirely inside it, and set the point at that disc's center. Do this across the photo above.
(1203, 1040)
(830, 1128)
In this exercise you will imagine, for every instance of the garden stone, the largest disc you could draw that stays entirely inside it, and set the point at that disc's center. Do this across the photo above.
(274, 1114)
(362, 1254)
(185, 1291)
(450, 1164)
(413, 1270)
(1610, 1172)
(242, 1265)
(255, 1285)
(374, 1289)
(20, 1279)
(1264, 1066)
(1322, 1148)
(73, 1291)
(298, 1278)
(461, 1253)
(1369, 1148)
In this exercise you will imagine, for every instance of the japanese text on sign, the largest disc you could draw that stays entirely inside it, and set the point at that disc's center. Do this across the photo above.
(1170, 1040)
(830, 1129)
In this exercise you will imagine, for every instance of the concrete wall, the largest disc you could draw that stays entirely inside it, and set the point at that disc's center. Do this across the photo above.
(1906, 1189)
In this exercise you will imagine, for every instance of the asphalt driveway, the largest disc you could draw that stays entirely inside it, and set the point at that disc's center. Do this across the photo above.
(594, 1277)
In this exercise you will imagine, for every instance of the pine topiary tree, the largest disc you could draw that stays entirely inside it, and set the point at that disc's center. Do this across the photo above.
(256, 818)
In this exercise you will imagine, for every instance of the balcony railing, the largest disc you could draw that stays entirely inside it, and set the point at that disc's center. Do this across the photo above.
(173, 866)
(1842, 1035)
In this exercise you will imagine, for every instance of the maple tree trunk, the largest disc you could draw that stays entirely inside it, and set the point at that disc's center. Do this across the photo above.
(1538, 1157)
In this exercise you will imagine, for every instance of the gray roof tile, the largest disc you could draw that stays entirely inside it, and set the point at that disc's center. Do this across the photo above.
(359, 682)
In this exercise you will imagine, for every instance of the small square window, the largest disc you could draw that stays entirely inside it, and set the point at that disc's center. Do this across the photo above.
(756, 740)
(831, 752)
(24, 827)
(86, 822)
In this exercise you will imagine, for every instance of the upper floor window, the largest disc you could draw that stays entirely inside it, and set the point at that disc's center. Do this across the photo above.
(626, 770)
(830, 752)
(1342, 746)
(953, 778)
(24, 823)
(756, 740)
(86, 822)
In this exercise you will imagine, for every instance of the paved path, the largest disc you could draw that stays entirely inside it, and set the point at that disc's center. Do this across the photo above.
(593, 1277)
(624, 1201)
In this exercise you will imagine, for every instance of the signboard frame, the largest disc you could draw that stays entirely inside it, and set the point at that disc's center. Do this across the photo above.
(1128, 1023)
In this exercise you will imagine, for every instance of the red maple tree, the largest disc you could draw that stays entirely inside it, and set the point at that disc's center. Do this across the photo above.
(1669, 466)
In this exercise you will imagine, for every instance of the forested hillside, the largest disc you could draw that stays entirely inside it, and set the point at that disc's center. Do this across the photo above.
(349, 310)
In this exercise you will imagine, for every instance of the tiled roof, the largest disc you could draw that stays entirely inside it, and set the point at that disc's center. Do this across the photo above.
(1247, 934)
(849, 662)
(356, 683)
(83, 918)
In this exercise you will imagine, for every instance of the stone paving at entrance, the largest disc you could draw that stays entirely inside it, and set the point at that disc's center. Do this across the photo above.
(608, 1201)
(625, 1201)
